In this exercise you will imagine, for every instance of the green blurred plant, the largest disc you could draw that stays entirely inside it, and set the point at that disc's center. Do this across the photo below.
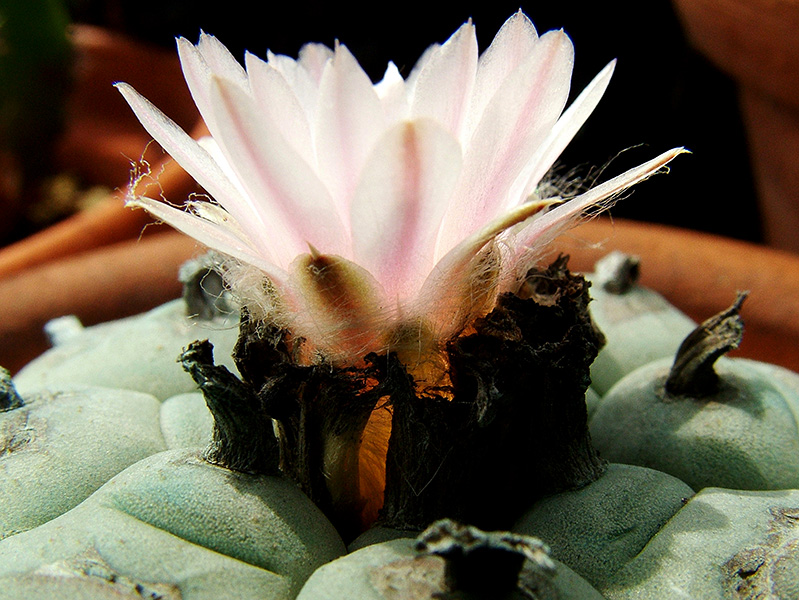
(34, 75)
(35, 56)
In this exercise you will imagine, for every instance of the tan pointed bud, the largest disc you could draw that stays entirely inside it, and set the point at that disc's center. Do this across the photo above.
(466, 281)
(341, 299)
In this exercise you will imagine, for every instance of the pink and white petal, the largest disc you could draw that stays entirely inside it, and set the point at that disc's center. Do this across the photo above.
(290, 196)
(392, 93)
(305, 73)
(391, 79)
(198, 163)
(305, 87)
(209, 144)
(513, 43)
(444, 86)
(265, 234)
(397, 208)
(349, 121)
(313, 58)
(278, 102)
(528, 242)
(221, 62)
(428, 55)
(201, 62)
(514, 123)
(285, 64)
(463, 280)
(197, 74)
(215, 235)
(563, 131)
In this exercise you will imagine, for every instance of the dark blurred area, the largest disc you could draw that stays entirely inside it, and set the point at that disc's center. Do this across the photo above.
(664, 94)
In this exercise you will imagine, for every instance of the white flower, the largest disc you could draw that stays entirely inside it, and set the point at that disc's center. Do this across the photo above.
(388, 215)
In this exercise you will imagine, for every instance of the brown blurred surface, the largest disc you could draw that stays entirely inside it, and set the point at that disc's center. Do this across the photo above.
(756, 42)
(100, 285)
(700, 273)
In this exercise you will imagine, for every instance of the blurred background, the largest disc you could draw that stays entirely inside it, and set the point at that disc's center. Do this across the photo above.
(665, 93)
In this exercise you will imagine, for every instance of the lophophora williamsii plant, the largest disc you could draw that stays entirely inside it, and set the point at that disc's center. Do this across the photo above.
(400, 354)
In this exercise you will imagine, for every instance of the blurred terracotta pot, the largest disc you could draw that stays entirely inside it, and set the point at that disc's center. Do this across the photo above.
(700, 273)
(102, 137)
(757, 43)
(108, 283)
